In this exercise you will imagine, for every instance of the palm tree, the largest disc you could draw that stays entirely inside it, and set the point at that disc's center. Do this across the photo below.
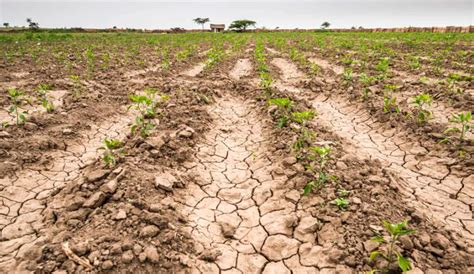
(325, 25)
(201, 21)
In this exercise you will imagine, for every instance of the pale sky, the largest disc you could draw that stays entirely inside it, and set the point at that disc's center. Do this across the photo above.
(284, 13)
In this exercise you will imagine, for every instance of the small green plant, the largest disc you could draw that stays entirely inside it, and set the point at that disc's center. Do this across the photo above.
(146, 105)
(77, 85)
(342, 203)
(414, 63)
(421, 101)
(463, 125)
(382, 67)
(16, 99)
(452, 82)
(365, 93)
(389, 253)
(43, 97)
(314, 69)
(366, 80)
(90, 56)
(284, 106)
(347, 75)
(389, 100)
(266, 81)
(318, 157)
(343, 192)
(112, 151)
(302, 118)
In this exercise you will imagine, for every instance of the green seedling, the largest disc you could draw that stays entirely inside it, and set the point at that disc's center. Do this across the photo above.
(284, 106)
(343, 192)
(302, 118)
(318, 157)
(305, 136)
(342, 203)
(421, 101)
(463, 125)
(314, 69)
(77, 85)
(389, 100)
(382, 67)
(366, 80)
(347, 75)
(112, 151)
(452, 81)
(389, 253)
(165, 64)
(365, 94)
(414, 63)
(43, 90)
(146, 105)
(16, 99)
(266, 81)
(90, 56)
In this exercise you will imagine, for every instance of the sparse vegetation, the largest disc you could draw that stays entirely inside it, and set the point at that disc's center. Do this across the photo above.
(390, 254)
(16, 100)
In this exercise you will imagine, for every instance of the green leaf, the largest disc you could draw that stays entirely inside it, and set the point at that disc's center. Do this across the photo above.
(406, 232)
(373, 255)
(378, 239)
(403, 263)
(309, 186)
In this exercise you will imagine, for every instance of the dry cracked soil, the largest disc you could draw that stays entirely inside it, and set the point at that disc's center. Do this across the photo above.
(218, 189)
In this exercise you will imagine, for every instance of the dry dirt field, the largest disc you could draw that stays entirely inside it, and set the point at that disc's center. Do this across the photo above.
(237, 153)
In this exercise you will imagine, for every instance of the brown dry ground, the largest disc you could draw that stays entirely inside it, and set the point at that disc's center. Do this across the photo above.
(217, 187)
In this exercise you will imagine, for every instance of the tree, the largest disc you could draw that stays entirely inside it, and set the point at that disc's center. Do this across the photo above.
(325, 25)
(6, 25)
(32, 25)
(201, 21)
(242, 25)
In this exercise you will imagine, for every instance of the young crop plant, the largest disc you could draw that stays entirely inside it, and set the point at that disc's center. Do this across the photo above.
(414, 62)
(382, 67)
(348, 75)
(90, 56)
(366, 82)
(302, 118)
(112, 151)
(421, 101)
(43, 90)
(318, 157)
(390, 253)
(16, 99)
(305, 135)
(463, 125)
(314, 69)
(77, 85)
(284, 106)
(341, 203)
(215, 55)
(146, 106)
(266, 83)
(452, 83)
(389, 100)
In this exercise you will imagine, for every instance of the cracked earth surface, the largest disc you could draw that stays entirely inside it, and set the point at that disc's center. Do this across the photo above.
(443, 190)
(23, 194)
(239, 207)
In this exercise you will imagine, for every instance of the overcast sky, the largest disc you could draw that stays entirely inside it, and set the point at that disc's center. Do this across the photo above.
(284, 14)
